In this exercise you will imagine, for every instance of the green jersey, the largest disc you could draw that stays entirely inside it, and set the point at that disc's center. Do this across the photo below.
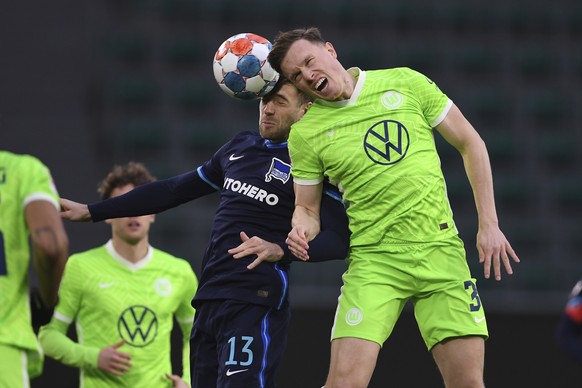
(23, 179)
(111, 299)
(379, 147)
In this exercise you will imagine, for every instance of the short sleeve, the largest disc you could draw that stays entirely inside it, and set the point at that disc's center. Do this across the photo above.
(434, 103)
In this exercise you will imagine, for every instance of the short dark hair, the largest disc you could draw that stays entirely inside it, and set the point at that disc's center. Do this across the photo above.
(285, 39)
(131, 173)
(302, 98)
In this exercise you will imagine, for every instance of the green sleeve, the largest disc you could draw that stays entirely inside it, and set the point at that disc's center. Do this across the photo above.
(432, 100)
(55, 344)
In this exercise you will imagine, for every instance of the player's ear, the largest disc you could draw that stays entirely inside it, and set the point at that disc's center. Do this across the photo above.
(306, 107)
(330, 49)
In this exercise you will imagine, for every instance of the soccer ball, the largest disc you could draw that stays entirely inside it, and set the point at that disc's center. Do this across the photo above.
(241, 68)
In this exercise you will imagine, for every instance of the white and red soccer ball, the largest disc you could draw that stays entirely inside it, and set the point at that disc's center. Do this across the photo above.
(241, 68)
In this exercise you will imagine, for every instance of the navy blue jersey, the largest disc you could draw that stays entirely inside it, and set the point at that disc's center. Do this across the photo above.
(253, 176)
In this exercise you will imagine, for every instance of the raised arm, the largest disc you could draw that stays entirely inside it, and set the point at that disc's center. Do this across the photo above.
(492, 245)
(50, 246)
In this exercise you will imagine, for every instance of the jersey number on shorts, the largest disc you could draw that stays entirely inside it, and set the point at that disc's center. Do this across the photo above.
(3, 268)
(247, 353)
(474, 295)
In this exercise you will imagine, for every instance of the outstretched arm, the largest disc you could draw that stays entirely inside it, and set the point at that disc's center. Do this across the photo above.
(494, 249)
(150, 198)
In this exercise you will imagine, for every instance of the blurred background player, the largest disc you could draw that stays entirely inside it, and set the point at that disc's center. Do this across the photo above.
(29, 213)
(123, 297)
(242, 308)
(569, 334)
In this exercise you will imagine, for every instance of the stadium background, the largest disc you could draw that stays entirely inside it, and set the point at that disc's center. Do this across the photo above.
(86, 84)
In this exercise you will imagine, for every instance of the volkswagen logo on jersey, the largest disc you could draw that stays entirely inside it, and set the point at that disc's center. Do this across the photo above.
(278, 170)
(138, 326)
(386, 142)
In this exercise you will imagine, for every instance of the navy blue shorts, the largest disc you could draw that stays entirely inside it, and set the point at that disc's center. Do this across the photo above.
(237, 344)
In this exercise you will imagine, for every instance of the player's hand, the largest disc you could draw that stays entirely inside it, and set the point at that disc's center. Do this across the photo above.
(297, 242)
(74, 211)
(177, 381)
(494, 249)
(113, 361)
(265, 251)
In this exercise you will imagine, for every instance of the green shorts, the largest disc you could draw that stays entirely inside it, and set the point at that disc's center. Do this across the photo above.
(434, 277)
(13, 367)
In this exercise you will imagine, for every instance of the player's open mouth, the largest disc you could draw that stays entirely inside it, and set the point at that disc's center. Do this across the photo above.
(133, 224)
(321, 84)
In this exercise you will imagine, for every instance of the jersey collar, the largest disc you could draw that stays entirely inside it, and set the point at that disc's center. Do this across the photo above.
(126, 263)
(270, 144)
(360, 76)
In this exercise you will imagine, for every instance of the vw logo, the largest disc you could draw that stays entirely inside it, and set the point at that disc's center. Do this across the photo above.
(138, 326)
(386, 142)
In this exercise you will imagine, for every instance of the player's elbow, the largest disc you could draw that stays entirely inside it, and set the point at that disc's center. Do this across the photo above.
(49, 258)
(51, 248)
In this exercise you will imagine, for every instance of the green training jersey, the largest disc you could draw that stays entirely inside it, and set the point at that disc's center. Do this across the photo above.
(111, 299)
(23, 179)
(379, 147)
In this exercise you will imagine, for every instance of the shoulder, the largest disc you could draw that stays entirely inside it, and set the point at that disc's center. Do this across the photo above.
(83, 259)
(172, 261)
(245, 136)
(25, 164)
(396, 73)
(176, 268)
(238, 142)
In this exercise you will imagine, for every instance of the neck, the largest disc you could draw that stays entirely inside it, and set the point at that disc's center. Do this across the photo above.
(131, 252)
(351, 82)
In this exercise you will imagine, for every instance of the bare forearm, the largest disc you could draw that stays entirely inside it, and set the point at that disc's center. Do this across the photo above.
(308, 219)
(478, 169)
(49, 254)
(49, 248)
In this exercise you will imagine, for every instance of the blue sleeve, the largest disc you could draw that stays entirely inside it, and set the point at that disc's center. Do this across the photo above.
(153, 197)
(332, 242)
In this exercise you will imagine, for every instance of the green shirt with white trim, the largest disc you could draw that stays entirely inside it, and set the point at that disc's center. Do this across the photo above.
(379, 147)
(110, 299)
(23, 179)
